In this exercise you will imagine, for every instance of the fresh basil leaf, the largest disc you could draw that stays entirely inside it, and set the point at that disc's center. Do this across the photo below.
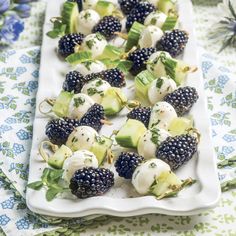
(45, 175)
(55, 175)
(52, 193)
(35, 185)
(79, 57)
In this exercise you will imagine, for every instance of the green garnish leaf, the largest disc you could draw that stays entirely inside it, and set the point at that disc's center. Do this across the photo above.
(227, 185)
(79, 57)
(51, 193)
(155, 136)
(78, 101)
(52, 180)
(58, 30)
(100, 140)
(36, 185)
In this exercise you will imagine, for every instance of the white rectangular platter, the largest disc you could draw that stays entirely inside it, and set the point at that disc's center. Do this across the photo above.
(122, 200)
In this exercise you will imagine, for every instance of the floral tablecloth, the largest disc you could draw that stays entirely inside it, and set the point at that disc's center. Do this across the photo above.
(18, 86)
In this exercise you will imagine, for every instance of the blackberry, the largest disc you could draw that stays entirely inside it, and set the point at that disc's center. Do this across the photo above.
(91, 182)
(182, 99)
(139, 13)
(139, 58)
(177, 150)
(173, 42)
(74, 82)
(114, 77)
(127, 5)
(58, 130)
(142, 114)
(126, 164)
(107, 26)
(93, 117)
(67, 43)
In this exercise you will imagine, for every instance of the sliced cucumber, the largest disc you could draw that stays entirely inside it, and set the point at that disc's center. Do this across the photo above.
(182, 69)
(166, 184)
(113, 101)
(134, 35)
(142, 83)
(180, 125)
(104, 8)
(69, 14)
(167, 6)
(57, 160)
(170, 23)
(61, 106)
(100, 148)
(130, 133)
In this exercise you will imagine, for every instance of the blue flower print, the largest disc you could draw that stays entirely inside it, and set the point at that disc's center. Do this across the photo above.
(4, 6)
(4, 219)
(23, 223)
(206, 65)
(23, 135)
(8, 204)
(20, 70)
(35, 74)
(32, 85)
(11, 29)
(20, 169)
(18, 148)
(4, 128)
(31, 102)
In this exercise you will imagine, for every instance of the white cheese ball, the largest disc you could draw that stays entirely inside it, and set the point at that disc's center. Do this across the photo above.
(95, 43)
(162, 115)
(86, 68)
(145, 174)
(156, 18)
(159, 88)
(79, 105)
(82, 137)
(78, 160)
(149, 142)
(155, 65)
(89, 4)
(87, 19)
(96, 89)
(150, 36)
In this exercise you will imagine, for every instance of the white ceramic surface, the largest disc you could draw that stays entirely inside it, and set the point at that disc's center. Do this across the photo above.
(122, 200)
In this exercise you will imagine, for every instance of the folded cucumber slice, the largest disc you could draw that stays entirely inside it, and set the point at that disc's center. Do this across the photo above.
(142, 82)
(134, 35)
(100, 147)
(180, 125)
(61, 106)
(130, 133)
(170, 23)
(167, 6)
(104, 8)
(57, 160)
(70, 13)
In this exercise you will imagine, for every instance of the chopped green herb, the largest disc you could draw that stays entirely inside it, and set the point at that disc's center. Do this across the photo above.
(90, 43)
(87, 15)
(92, 91)
(153, 21)
(78, 101)
(159, 82)
(155, 136)
(99, 83)
(100, 140)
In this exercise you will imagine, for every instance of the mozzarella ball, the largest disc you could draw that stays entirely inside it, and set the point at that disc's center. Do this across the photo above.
(162, 115)
(90, 67)
(78, 160)
(89, 4)
(96, 89)
(87, 20)
(150, 36)
(82, 137)
(79, 105)
(95, 43)
(149, 142)
(145, 174)
(159, 88)
(156, 18)
(155, 65)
